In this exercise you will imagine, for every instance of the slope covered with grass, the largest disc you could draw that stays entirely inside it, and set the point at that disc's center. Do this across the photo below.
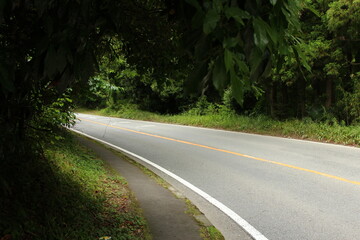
(70, 194)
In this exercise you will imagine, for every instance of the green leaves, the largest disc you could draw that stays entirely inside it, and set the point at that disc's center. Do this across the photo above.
(237, 14)
(228, 59)
(301, 57)
(237, 85)
(231, 68)
(245, 38)
(219, 75)
(273, 2)
(210, 21)
(260, 35)
(343, 18)
(230, 42)
(291, 10)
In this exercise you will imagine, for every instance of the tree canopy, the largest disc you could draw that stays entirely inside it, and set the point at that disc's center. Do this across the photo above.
(47, 46)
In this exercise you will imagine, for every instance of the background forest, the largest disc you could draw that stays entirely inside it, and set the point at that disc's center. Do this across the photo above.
(326, 88)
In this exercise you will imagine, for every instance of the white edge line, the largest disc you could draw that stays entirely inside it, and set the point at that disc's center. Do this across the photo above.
(255, 234)
(233, 132)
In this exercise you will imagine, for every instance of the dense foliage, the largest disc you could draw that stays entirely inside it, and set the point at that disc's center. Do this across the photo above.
(45, 47)
(249, 56)
(316, 77)
(330, 91)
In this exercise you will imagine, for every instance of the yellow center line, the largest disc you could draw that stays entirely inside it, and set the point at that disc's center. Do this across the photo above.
(230, 152)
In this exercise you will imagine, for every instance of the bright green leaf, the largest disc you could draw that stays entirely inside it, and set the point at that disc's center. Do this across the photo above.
(258, 92)
(260, 36)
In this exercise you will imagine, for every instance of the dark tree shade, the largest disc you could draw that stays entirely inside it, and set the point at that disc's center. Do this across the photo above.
(47, 46)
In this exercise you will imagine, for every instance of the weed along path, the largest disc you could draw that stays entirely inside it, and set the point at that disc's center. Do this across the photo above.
(268, 187)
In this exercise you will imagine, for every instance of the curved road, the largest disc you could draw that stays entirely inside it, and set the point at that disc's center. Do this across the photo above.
(285, 188)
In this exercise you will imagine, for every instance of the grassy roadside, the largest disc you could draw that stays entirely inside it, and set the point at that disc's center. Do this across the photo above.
(300, 129)
(72, 195)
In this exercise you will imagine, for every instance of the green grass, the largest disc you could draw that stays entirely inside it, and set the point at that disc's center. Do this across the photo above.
(70, 194)
(300, 129)
(211, 233)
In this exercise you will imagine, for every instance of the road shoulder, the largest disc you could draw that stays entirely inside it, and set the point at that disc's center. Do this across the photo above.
(164, 212)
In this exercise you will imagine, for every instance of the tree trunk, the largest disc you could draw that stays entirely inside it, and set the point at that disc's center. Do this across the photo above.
(329, 93)
(285, 101)
(301, 97)
(270, 99)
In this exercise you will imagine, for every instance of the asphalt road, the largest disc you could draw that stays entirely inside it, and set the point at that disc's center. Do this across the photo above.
(286, 189)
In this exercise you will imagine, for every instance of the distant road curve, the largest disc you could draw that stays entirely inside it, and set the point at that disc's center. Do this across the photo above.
(283, 188)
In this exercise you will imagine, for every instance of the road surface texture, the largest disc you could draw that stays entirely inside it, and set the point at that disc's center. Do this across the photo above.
(283, 188)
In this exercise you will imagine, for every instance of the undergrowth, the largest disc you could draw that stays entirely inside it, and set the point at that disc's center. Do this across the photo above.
(69, 194)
